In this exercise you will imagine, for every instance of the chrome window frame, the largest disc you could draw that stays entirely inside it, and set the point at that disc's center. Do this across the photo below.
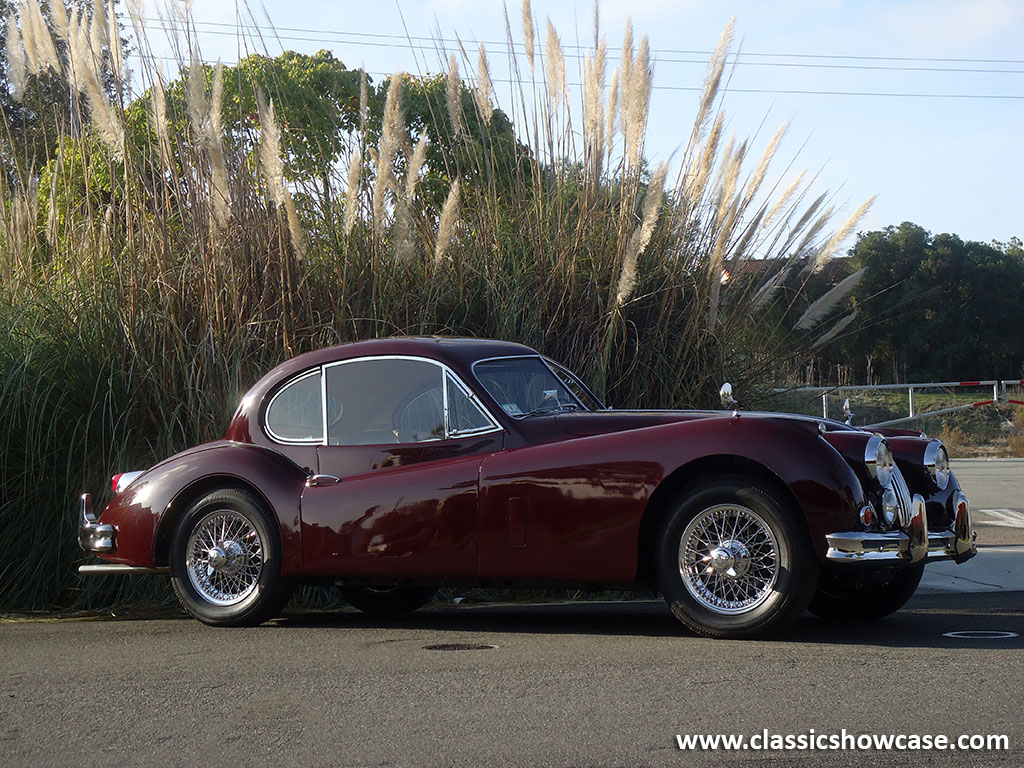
(536, 356)
(451, 434)
(317, 371)
(555, 366)
(446, 374)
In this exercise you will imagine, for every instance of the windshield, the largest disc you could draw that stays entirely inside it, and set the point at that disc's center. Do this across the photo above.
(525, 386)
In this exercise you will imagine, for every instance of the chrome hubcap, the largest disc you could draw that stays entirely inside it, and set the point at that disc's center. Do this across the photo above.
(224, 557)
(728, 559)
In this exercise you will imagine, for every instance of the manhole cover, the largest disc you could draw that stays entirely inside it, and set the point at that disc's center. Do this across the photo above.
(980, 634)
(459, 647)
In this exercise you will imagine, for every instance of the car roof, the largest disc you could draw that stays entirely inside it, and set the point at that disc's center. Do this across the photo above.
(457, 352)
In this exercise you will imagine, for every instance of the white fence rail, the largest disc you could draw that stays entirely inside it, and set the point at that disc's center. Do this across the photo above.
(999, 388)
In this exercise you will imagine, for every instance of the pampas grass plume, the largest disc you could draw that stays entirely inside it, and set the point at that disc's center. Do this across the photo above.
(555, 66)
(453, 95)
(528, 34)
(483, 85)
(17, 72)
(446, 227)
(355, 167)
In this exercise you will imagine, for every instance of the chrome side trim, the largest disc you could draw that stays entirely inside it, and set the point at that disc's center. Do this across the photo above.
(94, 536)
(112, 568)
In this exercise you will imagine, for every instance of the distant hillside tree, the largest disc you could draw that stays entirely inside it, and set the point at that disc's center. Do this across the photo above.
(934, 307)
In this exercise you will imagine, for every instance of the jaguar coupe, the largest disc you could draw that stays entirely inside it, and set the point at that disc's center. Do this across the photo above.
(392, 467)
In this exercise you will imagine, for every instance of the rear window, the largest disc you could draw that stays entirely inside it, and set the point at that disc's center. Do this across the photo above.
(295, 415)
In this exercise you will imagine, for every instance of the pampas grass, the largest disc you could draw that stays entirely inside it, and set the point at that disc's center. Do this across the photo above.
(446, 227)
(483, 85)
(355, 167)
(184, 255)
(17, 63)
(453, 95)
(393, 137)
(554, 62)
(528, 34)
(825, 304)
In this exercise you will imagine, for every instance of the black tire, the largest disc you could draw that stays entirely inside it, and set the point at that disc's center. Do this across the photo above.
(766, 570)
(841, 597)
(387, 601)
(246, 588)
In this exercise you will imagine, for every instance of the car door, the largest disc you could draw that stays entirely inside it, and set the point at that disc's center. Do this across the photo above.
(396, 495)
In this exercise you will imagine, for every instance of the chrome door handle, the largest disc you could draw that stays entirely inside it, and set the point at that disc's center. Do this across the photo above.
(317, 481)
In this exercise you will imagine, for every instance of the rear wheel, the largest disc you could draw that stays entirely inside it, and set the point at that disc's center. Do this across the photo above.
(387, 600)
(226, 561)
(842, 597)
(734, 561)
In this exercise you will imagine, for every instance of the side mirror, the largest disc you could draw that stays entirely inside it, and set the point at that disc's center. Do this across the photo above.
(725, 394)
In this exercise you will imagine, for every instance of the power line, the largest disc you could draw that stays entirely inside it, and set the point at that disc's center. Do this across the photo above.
(702, 62)
(406, 38)
(727, 89)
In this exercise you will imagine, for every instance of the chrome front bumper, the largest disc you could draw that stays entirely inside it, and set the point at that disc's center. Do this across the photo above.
(913, 544)
(94, 536)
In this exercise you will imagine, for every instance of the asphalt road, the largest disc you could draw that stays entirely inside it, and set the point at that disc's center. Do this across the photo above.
(586, 684)
(996, 490)
(563, 685)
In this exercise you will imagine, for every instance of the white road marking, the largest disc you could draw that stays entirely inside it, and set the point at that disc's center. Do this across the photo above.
(1009, 518)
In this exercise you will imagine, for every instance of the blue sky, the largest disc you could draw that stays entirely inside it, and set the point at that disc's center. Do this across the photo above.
(948, 164)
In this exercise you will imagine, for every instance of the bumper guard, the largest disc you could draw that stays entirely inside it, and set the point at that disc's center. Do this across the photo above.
(94, 536)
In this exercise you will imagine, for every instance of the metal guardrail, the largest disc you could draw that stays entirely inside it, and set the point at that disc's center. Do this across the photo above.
(998, 396)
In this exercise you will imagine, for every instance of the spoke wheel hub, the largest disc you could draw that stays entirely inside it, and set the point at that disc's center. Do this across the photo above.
(729, 559)
(224, 557)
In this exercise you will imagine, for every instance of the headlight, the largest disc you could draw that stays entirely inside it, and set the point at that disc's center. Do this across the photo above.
(890, 507)
(879, 461)
(936, 461)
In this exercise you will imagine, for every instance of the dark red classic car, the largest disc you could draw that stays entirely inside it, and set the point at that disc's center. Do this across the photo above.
(394, 466)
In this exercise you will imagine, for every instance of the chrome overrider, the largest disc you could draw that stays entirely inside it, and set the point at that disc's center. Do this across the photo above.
(914, 543)
(93, 536)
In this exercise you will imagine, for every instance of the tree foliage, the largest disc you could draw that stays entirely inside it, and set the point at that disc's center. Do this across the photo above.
(935, 307)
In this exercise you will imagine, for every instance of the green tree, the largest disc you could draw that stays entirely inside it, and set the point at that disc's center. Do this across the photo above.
(936, 306)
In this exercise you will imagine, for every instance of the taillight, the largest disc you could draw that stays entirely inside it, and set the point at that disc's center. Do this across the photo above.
(122, 480)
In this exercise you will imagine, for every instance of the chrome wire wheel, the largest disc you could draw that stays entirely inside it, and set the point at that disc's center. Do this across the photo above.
(224, 557)
(729, 559)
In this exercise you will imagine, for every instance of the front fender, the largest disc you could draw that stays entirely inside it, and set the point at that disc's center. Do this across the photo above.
(821, 482)
(146, 513)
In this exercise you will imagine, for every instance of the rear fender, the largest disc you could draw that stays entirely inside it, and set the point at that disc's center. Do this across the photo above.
(147, 512)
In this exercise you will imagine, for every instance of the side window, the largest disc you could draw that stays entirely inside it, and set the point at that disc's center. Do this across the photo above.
(296, 413)
(378, 401)
(464, 416)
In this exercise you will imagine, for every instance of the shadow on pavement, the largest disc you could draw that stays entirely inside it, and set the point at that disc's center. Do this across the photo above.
(922, 623)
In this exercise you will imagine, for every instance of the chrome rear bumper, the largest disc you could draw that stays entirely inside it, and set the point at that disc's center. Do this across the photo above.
(94, 536)
(95, 569)
(913, 544)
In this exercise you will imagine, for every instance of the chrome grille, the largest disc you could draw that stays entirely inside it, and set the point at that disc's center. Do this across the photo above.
(902, 496)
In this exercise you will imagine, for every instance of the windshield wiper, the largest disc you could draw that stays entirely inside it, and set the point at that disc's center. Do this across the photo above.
(544, 409)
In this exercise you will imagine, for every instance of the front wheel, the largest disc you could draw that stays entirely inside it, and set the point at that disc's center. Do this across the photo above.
(734, 561)
(844, 598)
(226, 561)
